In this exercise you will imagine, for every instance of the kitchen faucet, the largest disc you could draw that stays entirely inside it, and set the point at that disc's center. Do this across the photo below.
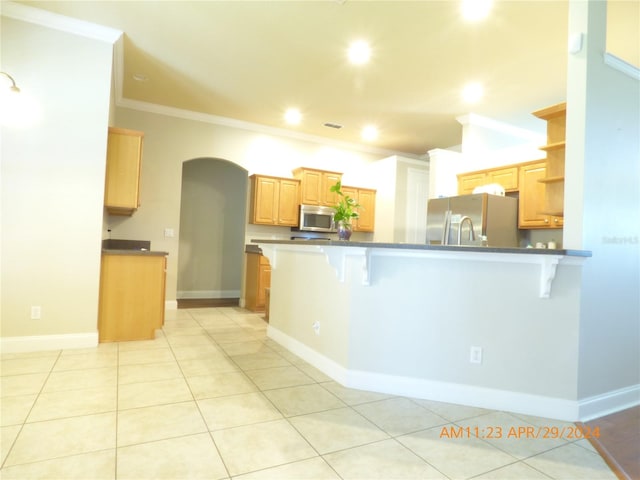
(471, 234)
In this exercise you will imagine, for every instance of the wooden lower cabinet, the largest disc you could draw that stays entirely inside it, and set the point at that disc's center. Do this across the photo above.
(258, 279)
(132, 296)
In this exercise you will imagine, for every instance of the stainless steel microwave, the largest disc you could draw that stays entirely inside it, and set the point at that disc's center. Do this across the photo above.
(315, 218)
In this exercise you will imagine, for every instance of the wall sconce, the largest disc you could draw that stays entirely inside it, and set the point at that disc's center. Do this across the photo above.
(16, 108)
(13, 88)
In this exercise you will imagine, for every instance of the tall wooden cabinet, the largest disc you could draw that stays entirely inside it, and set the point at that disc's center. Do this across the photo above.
(122, 179)
(274, 200)
(315, 186)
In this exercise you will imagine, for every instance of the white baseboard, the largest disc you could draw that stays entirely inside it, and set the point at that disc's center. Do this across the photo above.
(185, 294)
(494, 399)
(38, 343)
(171, 305)
(608, 403)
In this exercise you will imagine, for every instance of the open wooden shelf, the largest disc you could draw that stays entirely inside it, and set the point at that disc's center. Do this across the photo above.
(559, 178)
(553, 146)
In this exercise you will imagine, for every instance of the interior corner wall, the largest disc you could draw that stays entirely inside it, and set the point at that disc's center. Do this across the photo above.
(602, 208)
(212, 218)
(52, 176)
(171, 140)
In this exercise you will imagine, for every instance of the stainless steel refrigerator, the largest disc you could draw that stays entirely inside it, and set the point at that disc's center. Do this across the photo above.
(469, 218)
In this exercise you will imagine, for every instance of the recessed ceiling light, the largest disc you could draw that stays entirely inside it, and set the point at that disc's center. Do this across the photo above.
(369, 133)
(359, 52)
(475, 10)
(472, 92)
(293, 116)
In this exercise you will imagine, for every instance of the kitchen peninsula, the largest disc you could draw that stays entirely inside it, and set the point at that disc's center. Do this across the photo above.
(488, 327)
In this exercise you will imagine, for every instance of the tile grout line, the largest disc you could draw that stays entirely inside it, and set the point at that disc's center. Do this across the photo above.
(24, 422)
(195, 401)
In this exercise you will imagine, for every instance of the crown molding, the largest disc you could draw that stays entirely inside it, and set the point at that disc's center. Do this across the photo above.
(59, 22)
(113, 36)
(618, 64)
(486, 122)
(249, 126)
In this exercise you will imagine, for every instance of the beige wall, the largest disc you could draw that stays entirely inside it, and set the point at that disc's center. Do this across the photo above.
(212, 221)
(170, 141)
(52, 182)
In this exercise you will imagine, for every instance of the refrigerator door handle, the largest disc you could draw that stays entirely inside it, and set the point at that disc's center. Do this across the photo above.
(446, 226)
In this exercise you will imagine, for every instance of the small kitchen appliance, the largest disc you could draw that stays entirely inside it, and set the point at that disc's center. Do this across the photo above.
(316, 218)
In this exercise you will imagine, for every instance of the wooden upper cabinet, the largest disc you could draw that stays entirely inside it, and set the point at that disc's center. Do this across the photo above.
(507, 177)
(122, 179)
(289, 202)
(315, 186)
(367, 199)
(274, 200)
(468, 181)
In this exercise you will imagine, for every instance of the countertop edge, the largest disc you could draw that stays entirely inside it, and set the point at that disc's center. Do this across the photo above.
(147, 253)
(443, 248)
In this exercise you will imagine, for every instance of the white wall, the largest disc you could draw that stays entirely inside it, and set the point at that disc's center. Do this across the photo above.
(602, 207)
(398, 218)
(52, 183)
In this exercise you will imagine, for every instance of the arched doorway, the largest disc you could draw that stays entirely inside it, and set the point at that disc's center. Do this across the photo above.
(212, 231)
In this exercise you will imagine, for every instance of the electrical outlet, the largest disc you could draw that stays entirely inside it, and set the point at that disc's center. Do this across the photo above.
(169, 233)
(36, 313)
(316, 327)
(475, 355)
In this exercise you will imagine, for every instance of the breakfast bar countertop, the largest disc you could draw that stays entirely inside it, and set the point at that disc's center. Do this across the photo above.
(416, 246)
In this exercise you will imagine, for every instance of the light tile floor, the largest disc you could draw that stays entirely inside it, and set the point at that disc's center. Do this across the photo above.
(214, 398)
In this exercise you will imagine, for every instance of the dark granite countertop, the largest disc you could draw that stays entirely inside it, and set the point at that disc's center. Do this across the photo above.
(442, 248)
(249, 248)
(149, 253)
(114, 246)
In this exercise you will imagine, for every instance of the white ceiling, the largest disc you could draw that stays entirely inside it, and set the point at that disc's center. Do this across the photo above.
(251, 60)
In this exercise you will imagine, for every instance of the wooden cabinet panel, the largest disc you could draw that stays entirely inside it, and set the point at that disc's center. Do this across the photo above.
(367, 200)
(289, 202)
(327, 197)
(122, 179)
(315, 186)
(531, 203)
(257, 280)
(132, 296)
(506, 177)
(274, 201)
(468, 181)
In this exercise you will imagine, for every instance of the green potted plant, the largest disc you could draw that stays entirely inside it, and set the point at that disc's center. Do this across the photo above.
(345, 212)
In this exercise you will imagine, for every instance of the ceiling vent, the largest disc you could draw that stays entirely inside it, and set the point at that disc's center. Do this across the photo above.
(333, 125)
